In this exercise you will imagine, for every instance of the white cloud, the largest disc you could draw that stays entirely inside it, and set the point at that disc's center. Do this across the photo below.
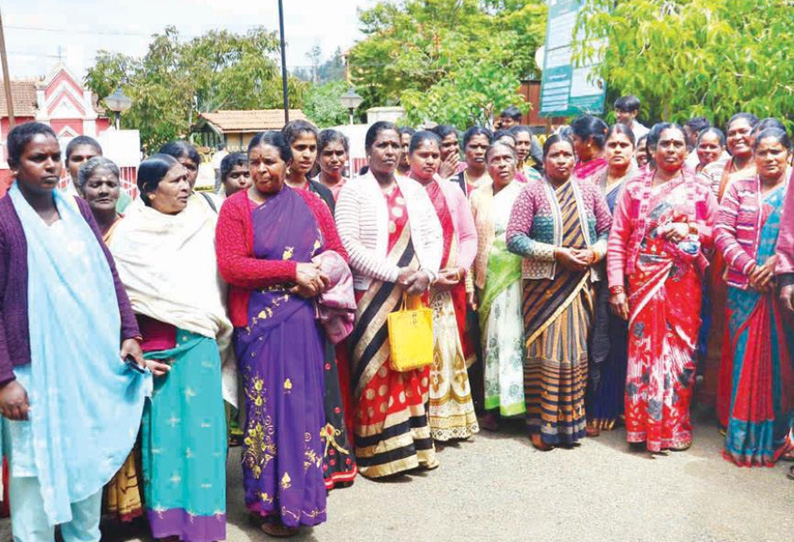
(39, 33)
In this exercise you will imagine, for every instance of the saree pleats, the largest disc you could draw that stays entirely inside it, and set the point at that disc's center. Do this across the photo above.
(184, 444)
(760, 354)
(123, 492)
(339, 462)
(451, 409)
(556, 374)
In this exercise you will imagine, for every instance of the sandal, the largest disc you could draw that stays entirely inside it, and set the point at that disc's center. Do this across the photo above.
(593, 428)
(790, 474)
(607, 424)
(680, 447)
(276, 529)
(538, 443)
(431, 466)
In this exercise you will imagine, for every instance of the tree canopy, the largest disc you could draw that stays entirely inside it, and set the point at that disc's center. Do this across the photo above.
(687, 58)
(322, 104)
(450, 61)
(176, 80)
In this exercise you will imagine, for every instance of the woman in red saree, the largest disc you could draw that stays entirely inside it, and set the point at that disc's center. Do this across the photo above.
(719, 175)
(655, 262)
(761, 339)
(391, 232)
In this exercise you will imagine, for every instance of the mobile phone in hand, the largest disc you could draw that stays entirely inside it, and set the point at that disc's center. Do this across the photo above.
(132, 364)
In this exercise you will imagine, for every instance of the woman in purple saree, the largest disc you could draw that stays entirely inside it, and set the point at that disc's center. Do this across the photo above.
(267, 237)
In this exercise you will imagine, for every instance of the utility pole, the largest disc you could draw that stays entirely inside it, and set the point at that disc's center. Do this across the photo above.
(6, 79)
(283, 62)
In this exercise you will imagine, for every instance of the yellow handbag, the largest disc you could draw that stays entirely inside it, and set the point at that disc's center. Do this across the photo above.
(411, 335)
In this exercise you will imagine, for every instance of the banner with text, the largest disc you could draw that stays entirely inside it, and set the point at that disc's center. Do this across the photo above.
(567, 90)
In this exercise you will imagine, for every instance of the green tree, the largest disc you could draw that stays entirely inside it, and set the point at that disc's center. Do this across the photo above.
(472, 94)
(420, 53)
(687, 58)
(177, 80)
(322, 104)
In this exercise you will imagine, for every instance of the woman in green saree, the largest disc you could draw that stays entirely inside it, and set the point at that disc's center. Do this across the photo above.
(497, 276)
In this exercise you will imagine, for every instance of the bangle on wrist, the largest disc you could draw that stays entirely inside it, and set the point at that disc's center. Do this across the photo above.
(615, 290)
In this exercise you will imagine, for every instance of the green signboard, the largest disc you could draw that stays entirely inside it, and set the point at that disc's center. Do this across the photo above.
(567, 90)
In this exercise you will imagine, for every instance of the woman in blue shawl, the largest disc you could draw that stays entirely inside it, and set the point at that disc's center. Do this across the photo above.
(71, 407)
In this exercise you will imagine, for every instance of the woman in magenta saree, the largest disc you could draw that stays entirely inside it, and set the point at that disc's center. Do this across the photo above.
(589, 135)
(267, 238)
(761, 338)
(661, 227)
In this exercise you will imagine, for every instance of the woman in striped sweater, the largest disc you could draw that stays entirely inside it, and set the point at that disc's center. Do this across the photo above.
(559, 225)
(763, 381)
(393, 237)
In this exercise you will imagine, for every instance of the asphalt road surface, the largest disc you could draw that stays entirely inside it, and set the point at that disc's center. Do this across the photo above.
(498, 488)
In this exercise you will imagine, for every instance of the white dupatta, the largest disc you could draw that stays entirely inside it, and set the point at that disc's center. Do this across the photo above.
(169, 269)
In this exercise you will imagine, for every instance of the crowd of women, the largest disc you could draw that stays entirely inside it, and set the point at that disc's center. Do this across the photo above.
(576, 288)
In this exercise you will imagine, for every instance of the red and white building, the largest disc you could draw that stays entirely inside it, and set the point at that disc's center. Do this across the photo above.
(61, 101)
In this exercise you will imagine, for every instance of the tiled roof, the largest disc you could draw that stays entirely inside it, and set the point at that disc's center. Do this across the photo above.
(251, 121)
(23, 94)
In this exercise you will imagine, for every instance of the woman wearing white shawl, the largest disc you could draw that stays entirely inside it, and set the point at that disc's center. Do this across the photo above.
(165, 252)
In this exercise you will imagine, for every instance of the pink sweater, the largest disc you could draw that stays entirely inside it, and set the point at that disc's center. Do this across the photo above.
(738, 228)
(624, 244)
(785, 240)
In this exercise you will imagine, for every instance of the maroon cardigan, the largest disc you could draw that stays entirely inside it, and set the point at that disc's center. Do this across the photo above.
(14, 332)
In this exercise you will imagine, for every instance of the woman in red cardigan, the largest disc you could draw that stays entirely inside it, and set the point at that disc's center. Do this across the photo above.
(266, 239)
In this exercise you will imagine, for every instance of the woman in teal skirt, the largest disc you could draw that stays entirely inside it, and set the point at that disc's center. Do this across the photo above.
(166, 257)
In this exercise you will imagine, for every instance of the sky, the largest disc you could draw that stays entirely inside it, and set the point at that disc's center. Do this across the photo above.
(39, 33)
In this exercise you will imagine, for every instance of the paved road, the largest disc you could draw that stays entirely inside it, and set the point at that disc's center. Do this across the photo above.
(498, 488)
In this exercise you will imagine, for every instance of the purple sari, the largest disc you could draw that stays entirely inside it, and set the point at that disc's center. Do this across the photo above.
(280, 353)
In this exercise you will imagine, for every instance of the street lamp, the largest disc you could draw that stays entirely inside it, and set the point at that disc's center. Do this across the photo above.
(118, 102)
(351, 101)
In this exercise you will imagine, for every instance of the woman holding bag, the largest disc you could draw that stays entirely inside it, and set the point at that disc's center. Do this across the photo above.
(390, 230)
